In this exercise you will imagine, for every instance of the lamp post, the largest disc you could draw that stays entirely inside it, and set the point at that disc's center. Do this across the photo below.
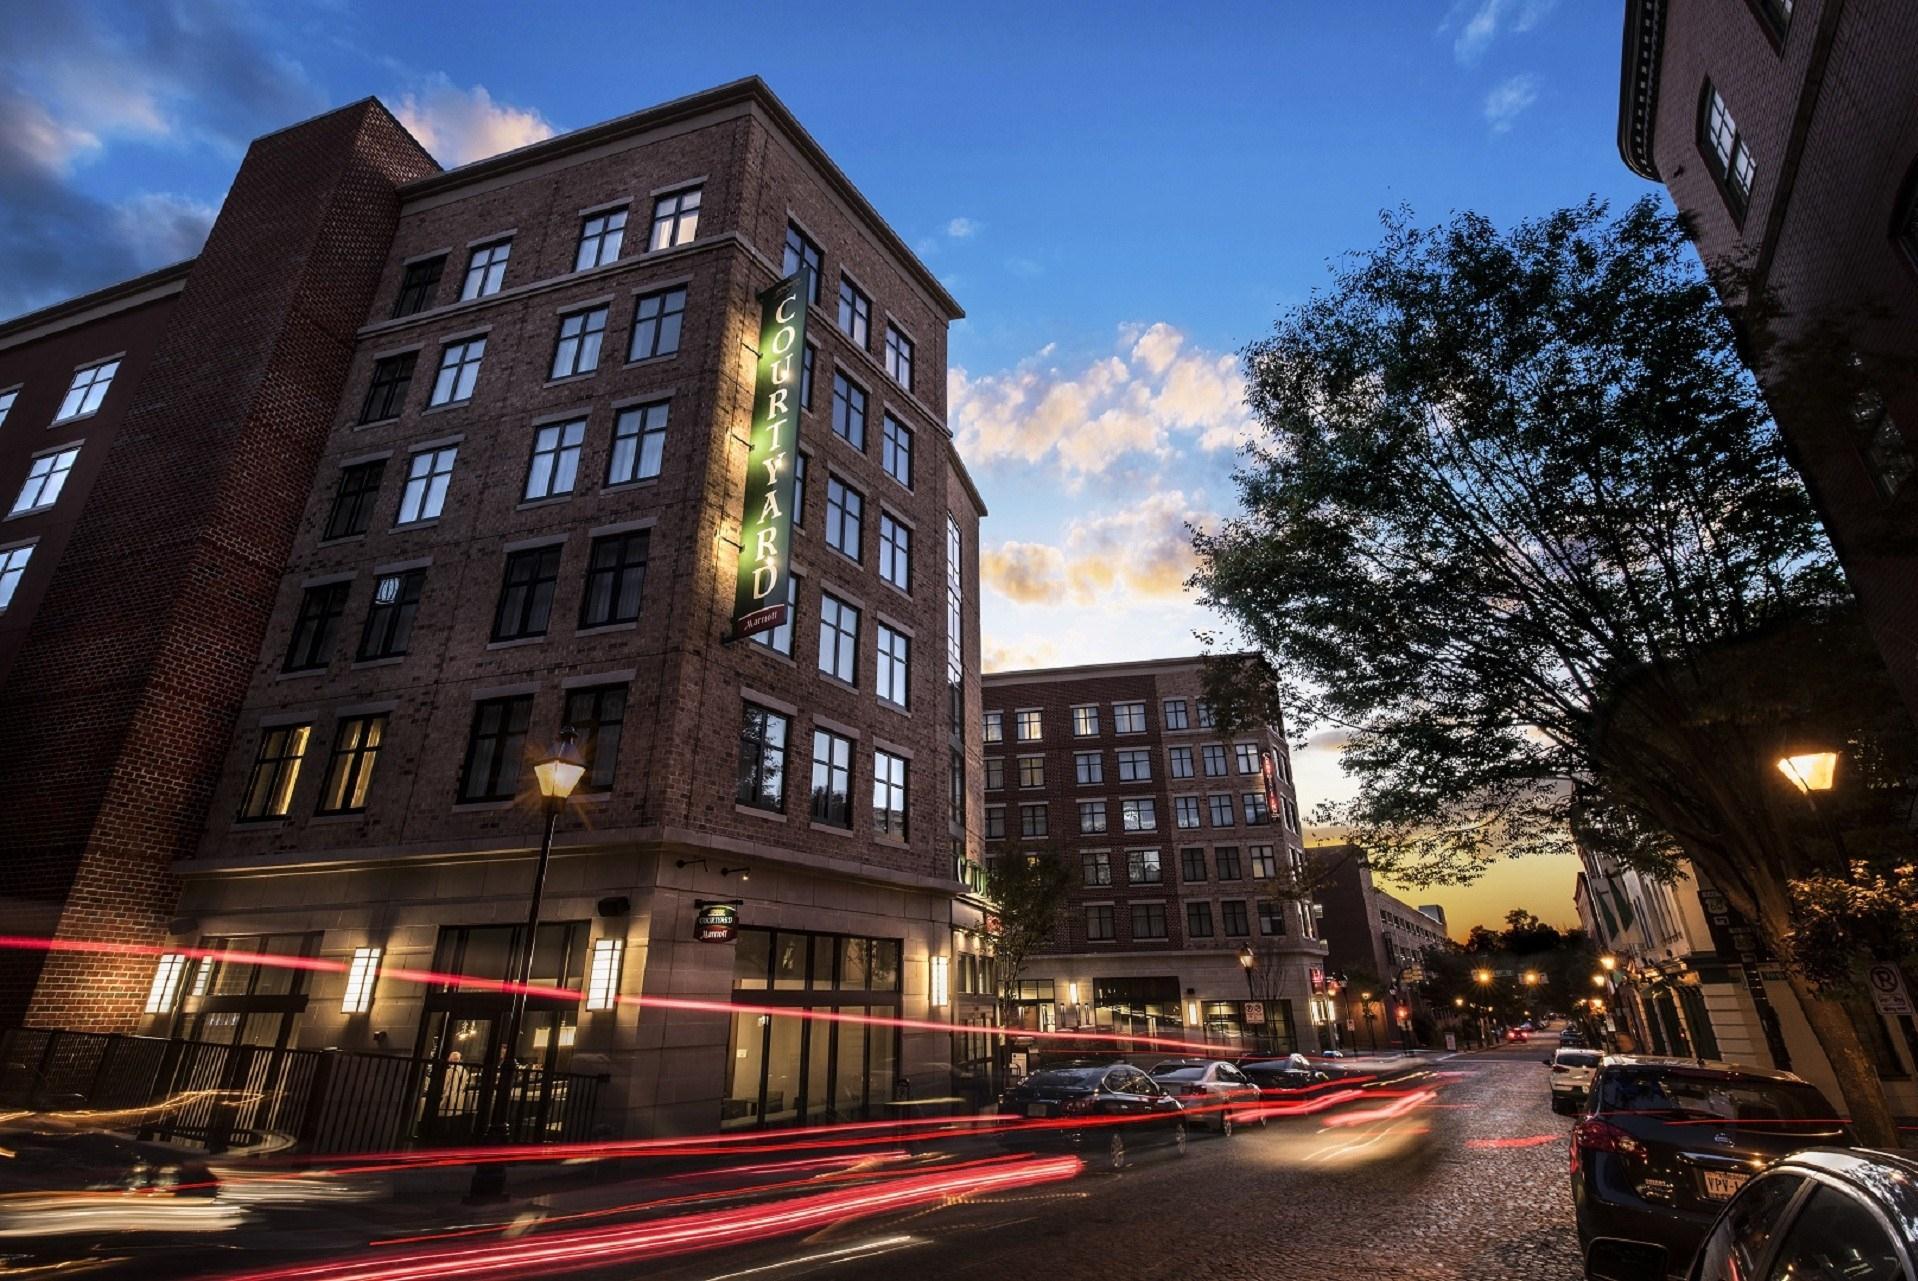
(558, 775)
(1371, 1037)
(1811, 774)
(1247, 961)
(1531, 980)
(1483, 978)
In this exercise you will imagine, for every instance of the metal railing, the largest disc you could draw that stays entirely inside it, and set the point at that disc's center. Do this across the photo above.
(222, 1097)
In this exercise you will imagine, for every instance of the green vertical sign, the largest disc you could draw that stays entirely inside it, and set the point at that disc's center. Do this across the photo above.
(766, 525)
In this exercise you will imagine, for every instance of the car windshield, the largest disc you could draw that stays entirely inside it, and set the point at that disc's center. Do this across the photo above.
(1085, 1078)
(1178, 1074)
(1578, 1058)
(1712, 1097)
(1175, 1065)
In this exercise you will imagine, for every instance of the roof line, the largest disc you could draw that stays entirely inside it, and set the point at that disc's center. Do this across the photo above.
(1638, 85)
(124, 292)
(1090, 669)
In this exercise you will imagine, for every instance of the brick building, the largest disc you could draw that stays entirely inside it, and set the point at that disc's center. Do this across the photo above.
(518, 506)
(1787, 134)
(1178, 862)
(1370, 932)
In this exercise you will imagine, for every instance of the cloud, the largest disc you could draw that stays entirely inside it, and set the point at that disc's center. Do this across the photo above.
(1508, 100)
(460, 126)
(1152, 390)
(160, 227)
(962, 228)
(1488, 20)
(1141, 553)
(1013, 656)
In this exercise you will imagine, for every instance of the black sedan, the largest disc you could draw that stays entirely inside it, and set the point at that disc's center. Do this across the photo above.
(1665, 1143)
(1109, 1109)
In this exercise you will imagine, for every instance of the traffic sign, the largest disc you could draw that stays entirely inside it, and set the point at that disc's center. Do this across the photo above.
(1254, 1013)
(1888, 990)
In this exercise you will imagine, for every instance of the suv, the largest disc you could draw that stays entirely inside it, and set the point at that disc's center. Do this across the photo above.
(1572, 1071)
(1665, 1143)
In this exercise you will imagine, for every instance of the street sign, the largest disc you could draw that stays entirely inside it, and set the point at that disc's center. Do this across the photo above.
(716, 923)
(1318, 979)
(1888, 990)
(1254, 1013)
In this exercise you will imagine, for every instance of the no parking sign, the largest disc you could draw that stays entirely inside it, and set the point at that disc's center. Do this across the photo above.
(1888, 990)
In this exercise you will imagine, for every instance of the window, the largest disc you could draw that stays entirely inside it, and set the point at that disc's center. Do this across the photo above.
(1205, 716)
(6, 403)
(599, 238)
(1085, 722)
(386, 394)
(1834, 1236)
(800, 464)
(485, 270)
(1092, 816)
(597, 715)
(356, 746)
(1221, 807)
(46, 477)
(1265, 866)
(1725, 150)
(459, 370)
(831, 778)
(276, 768)
(418, 282)
(1192, 864)
(1887, 454)
(845, 514)
(1138, 816)
(1180, 759)
(1198, 920)
(615, 579)
(899, 357)
(555, 464)
(526, 594)
(1271, 917)
(577, 351)
(1232, 919)
(995, 772)
(1032, 820)
(849, 411)
(1095, 868)
(805, 378)
(1777, 15)
(656, 323)
(1736, 1246)
(1175, 715)
(1128, 718)
(1089, 768)
(995, 822)
(780, 639)
(1148, 920)
(13, 564)
(802, 252)
(1185, 811)
(427, 474)
(895, 666)
(1213, 756)
(895, 450)
(315, 627)
(675, 218)
(762, 759)
(1256, 812)
(389, 617)
(895, 552)
(639, 443)
(1142, 867)
(995, 724)
(496, 749)
(1032, 771)
(855, 313)
(353, 498)
(889, 794)
(838, 638)
(1135, 765)
(88, 389)
(1099, 923)
(1026, 725)
(1248, 757)
(1227, 859)
(1291, 813)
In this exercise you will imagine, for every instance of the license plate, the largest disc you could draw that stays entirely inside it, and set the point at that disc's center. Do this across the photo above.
(1721, 1184)
(1038, 1109)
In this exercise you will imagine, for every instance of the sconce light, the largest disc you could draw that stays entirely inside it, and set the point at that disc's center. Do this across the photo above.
(941, 982)
(602, 980)
(743, 873)
(360, 977)
(166, 983)
(1072, 994)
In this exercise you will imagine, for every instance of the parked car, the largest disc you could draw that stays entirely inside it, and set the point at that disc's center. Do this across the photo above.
(1570, 1036)
(1112, 1109)
(1571, 1077)
(1823, 1212)
(1210, 1090)
(1665, 1143)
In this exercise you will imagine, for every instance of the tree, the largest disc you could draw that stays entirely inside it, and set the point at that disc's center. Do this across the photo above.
(1029, 892)
(1501, 477)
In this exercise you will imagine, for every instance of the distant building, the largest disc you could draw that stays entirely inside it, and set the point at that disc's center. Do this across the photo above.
(1370, 931)
(1437, 913)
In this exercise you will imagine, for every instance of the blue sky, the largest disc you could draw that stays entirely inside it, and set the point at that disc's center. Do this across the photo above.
(1121, 201)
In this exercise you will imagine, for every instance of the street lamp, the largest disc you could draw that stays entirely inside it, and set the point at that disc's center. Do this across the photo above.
(558, 775)
(1248, 960)
(1598, 980)
(1608, 962)
(1811, 772)
(1371, 1037)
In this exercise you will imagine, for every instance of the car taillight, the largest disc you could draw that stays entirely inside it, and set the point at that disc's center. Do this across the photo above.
(1594, 1134)
(1076, 1107)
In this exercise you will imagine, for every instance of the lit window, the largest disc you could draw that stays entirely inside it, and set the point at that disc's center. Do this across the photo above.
(269, 787)
(485, 270)
(899, 357)
(941, 994)
(167, 979)
(46, 476)
(13, 563)
(458, 372)
(88, 389)
(657, 318)
(349, 775)
(599, 239)
(675, 218)
(602, 976)
(1026, 725)
(577, 351)
(361, 975)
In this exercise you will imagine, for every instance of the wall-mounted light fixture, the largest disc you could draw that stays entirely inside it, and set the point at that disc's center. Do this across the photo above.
(1072, 994)
(941, 988)
(602, 977)
(167, 977)
(743, 873)
(361, 975)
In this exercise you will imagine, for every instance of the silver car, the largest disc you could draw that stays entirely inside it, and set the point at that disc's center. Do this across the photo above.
(1213, 1092)
(1572, 1071)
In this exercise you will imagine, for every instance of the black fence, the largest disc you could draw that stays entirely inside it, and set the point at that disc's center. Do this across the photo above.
(223, 1097)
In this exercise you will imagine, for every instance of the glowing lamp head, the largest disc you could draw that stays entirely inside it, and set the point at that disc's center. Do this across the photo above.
(1481, 976)
(560, 773)
(1246, 958)
(1811, 772)
(1531, 978)
(1365, 996)
(1608, 963)
(1459, 1001)
(1598, 980)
